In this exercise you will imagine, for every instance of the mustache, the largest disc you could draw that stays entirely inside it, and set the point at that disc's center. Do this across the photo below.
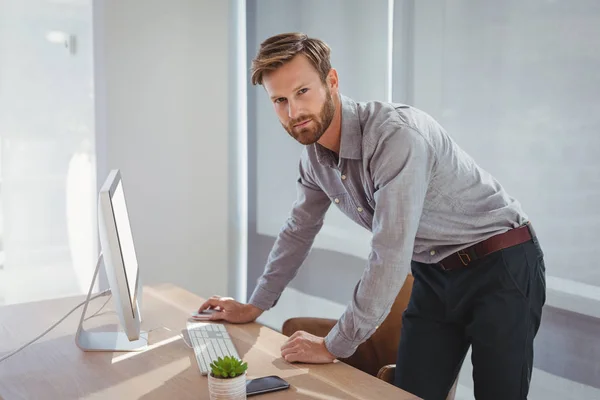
(300, 119)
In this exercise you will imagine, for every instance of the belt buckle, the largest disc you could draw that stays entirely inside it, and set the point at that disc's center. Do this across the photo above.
(465, 259)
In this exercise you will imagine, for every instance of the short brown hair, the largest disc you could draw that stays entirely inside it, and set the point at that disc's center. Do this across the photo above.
(279, 49)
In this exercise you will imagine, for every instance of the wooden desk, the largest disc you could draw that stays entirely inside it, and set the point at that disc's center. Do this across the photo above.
(55, 368)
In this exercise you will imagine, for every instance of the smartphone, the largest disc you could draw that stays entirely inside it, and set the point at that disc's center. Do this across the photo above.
(265, 385)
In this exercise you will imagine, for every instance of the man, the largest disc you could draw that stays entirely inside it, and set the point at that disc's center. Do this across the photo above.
(479, 276)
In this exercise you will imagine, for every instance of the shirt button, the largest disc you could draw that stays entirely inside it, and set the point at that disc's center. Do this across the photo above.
(336, 201)
(360, 209)
(343, 177)
(432, 253)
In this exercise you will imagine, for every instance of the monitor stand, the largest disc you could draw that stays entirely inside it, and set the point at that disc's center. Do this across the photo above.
(105, 341)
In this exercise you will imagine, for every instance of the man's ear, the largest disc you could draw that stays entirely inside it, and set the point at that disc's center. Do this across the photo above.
(332, 79)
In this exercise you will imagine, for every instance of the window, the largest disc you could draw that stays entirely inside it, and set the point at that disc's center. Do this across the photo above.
(47, 161)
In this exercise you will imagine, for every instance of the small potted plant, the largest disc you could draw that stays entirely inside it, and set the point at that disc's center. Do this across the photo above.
(227, 379)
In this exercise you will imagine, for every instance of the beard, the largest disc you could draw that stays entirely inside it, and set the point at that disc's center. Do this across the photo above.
(316, 128)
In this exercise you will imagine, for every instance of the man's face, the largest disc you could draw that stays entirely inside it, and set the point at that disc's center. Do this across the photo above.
(301, 100)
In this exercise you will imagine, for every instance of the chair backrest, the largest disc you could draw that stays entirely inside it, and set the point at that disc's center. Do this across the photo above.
(382, 347)
(387, 336)
(380, 350)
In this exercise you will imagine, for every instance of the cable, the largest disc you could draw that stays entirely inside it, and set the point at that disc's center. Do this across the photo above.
(159, 327)
(100, 309)
(185, 341)
(170, 330)
(103, 293)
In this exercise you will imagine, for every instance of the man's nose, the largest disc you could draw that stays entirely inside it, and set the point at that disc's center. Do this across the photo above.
(293, 108)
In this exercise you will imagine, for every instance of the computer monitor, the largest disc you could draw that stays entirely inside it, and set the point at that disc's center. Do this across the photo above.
(122, 271)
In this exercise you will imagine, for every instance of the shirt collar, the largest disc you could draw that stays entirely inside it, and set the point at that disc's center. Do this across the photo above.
(351, 136)
(351, 145)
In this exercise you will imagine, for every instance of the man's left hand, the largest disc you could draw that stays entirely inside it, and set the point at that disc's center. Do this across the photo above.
(306, 348)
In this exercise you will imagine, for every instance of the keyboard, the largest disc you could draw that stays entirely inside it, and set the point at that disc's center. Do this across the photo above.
(210, 341)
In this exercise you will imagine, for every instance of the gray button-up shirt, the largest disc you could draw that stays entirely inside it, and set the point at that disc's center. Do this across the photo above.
(403, 178)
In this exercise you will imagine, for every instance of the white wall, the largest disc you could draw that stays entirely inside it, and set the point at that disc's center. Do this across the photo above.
(162, 112)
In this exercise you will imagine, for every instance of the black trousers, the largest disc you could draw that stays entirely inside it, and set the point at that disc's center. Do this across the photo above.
(494, 305)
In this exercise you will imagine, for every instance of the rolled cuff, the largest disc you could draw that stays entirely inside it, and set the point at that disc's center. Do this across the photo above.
(338, 345)
(263, 298)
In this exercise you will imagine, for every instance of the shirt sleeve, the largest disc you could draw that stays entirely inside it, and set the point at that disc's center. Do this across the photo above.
(293, 242)
(401, 167)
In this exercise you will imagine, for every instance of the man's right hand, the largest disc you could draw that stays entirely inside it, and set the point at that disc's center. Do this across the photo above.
(229, 310)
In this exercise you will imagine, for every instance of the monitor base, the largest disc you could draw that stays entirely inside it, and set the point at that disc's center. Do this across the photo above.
(105, 341)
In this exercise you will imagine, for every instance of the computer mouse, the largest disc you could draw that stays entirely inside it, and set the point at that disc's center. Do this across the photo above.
(203, 314)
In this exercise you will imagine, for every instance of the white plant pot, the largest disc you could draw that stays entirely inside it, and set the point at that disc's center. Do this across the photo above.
(227, 388)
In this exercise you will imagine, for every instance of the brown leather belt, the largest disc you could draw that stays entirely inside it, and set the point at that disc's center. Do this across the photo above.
(512, 237)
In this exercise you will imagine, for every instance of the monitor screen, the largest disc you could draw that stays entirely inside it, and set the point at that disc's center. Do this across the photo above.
(125, 241)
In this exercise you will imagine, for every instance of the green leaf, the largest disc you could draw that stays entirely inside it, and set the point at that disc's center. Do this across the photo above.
(228, 367)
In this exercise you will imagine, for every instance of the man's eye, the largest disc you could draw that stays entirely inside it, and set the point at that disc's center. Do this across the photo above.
(280, 100)
(302, 91)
